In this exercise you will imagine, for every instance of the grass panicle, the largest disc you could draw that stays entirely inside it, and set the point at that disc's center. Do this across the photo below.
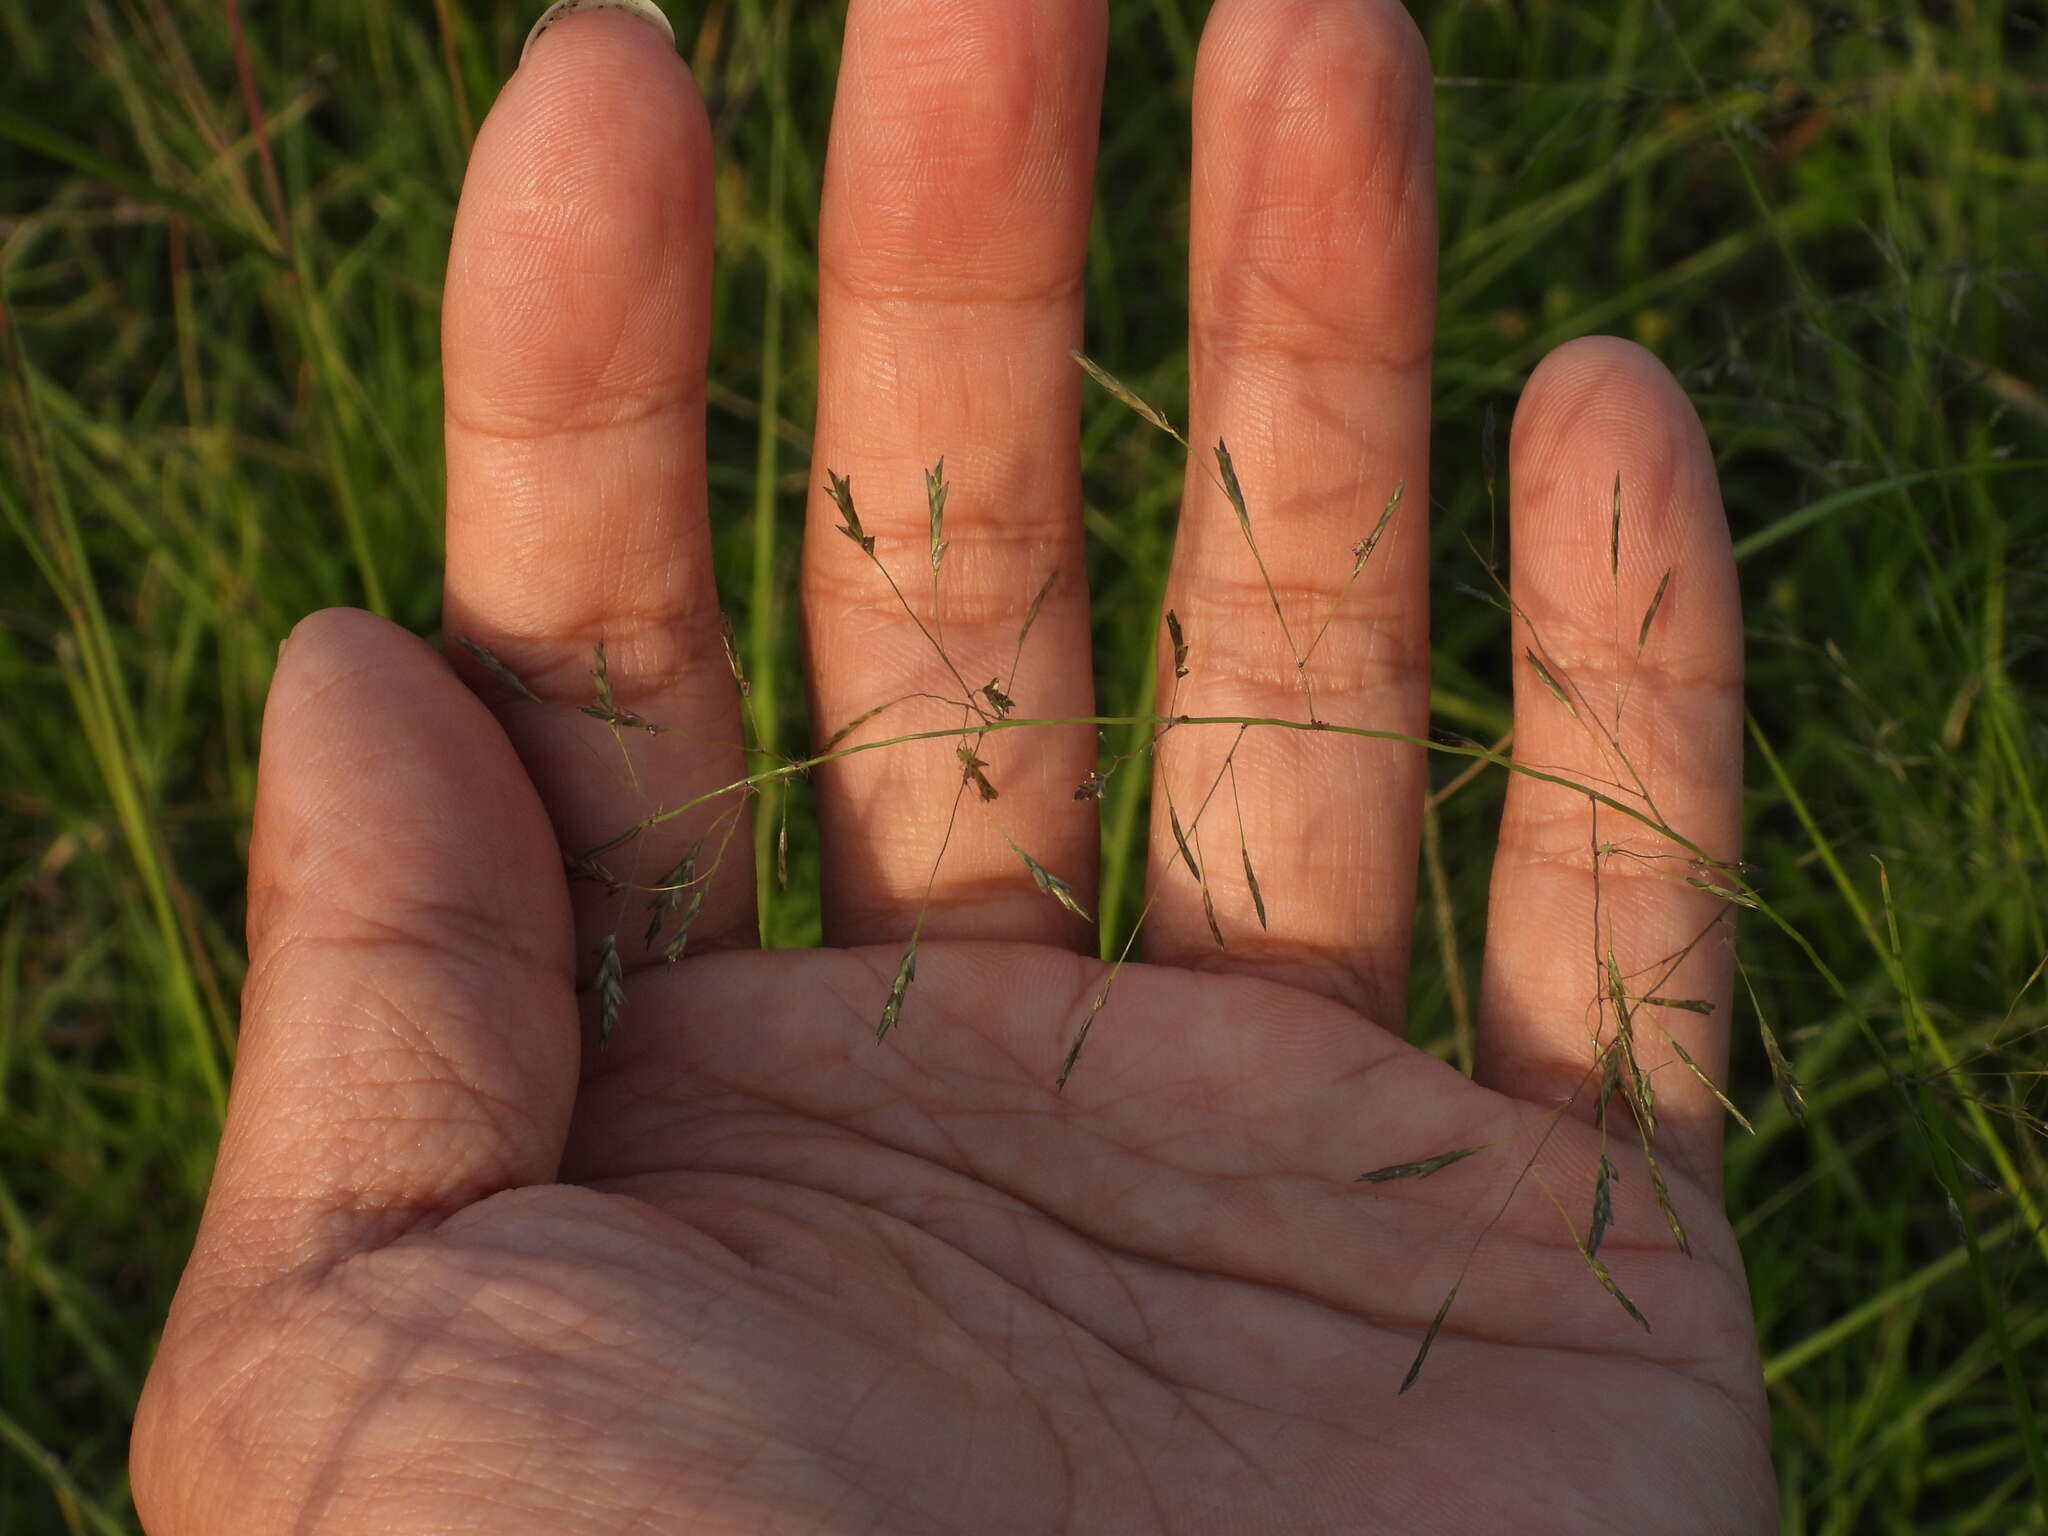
(216, 307)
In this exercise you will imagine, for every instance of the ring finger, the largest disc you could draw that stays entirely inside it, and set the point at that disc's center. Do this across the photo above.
(1312, 306)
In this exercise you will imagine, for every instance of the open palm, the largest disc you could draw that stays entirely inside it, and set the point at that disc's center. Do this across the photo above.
(745, 1269)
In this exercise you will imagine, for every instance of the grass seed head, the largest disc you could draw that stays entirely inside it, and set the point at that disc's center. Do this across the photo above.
(1650, 615)
(1550, 682)
(1053, 885)
(1251, 881)
(935, 490)
(906, 972)
(498, 669)
(1428, 1338)
(1127, 396)
(841, 489)
(1362, 550)
(1180, 644)
(1420, 1169)
(610, 984)
(971, 768)
(1603, 1205)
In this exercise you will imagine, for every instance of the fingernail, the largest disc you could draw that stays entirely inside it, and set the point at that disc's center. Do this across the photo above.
(646, 10)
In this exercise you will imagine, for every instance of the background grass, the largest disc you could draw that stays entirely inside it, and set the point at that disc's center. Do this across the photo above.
(219, 408)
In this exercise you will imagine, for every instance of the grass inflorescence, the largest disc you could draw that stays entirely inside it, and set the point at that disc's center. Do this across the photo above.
(1621, 1011)
(219, 408)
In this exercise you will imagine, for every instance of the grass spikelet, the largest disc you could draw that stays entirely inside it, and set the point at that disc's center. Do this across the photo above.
(1209, 914)
(861, 719)
(1635, 1082)
(1429, 1337)
(840, 488)
(972, 769)
(1790, 1090)
(1180, 644)
(498, 669)
(935, 491)
(1729, 894)
(892, 1011)
(1362, 550)
(581, 866)
(1231, 488)
(1052, 885)
(1180, 841)
(1251, 881)
(1707, 1082)
(1603, 1206)
(668, 895)
(1421, 1169)
(1614, 534)
(608, 709)
(732, 655)
(1610, 1286)
(1037, 602)
(1549, 680)
(1663, 1194)
(610, 984)
(1650, 615)
(1610, 1085)
(1081, 1037)
(679, 941)
(1127, 396)
(999, 701)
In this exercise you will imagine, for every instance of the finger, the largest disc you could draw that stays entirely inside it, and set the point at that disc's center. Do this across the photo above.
(575, 330)
(1312, 296)
(409, 1026)
(955, 230)
(1643, 705)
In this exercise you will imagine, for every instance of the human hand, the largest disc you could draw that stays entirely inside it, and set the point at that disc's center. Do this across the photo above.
(747, 1270)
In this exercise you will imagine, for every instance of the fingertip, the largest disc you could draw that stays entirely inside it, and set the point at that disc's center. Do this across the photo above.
(373, 747)
(1262, 49)
(1613, 480)
(327, 636)
(370, 661)
(548, 24)
(582, 241)
(1314, 163)
(603, 70)
(1604, 400)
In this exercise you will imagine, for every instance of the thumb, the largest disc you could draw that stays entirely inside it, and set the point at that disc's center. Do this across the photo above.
(409, 1036)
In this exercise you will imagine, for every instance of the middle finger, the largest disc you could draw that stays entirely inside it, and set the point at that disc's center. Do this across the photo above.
(1311, 303)
(955, 224)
